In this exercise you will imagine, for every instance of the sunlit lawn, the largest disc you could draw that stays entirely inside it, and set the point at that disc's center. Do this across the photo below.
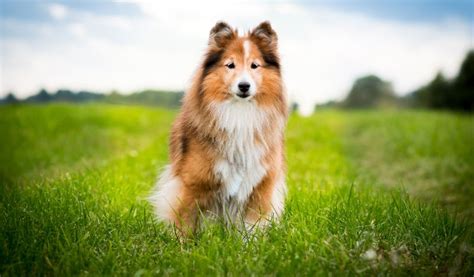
(73, 183)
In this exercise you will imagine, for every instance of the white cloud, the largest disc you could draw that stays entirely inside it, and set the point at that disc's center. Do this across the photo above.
(78, 29)
(57, 11)
(322, 50)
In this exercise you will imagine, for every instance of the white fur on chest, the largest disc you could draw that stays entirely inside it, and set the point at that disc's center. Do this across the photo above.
(241, 167)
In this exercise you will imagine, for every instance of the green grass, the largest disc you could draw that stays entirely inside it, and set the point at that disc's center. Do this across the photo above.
(430, 154)
(74, 181)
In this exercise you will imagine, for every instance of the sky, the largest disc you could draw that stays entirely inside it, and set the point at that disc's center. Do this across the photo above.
(324, 45)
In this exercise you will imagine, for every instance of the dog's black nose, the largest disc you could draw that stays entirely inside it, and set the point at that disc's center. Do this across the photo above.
(244, 86)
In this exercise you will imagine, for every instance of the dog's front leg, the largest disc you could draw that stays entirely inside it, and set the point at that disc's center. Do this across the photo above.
(267, 201)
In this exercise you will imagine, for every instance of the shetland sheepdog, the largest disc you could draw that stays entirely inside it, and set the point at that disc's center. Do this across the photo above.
(227, 143)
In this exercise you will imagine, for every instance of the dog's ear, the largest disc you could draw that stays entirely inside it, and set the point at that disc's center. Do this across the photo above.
(267, 41)
(221, 34)
(264, 35)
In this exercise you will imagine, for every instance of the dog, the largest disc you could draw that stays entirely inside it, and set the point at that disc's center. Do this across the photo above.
(227, 143)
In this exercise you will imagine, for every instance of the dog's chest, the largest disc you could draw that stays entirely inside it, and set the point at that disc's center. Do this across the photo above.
(240, 167)
(239, 179)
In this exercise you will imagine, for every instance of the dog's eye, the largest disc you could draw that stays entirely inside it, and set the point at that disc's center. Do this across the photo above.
(254, 66)
(230, 65)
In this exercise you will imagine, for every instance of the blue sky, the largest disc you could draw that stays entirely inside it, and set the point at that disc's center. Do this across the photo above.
(100, 45)
(403, 10)
(37, 10)
(406, 10)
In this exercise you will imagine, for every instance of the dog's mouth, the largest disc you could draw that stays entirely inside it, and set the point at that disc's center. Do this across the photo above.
(243, 95)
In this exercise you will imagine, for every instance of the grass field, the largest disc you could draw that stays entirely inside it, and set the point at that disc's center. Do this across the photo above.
(369, 192)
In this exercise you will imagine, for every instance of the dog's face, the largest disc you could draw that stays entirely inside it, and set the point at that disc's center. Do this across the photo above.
(242, 62)
(240, 67)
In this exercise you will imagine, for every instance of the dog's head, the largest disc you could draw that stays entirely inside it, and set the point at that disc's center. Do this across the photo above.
(243, 68)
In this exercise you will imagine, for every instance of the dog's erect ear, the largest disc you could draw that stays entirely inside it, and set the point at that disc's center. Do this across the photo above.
(264, 35)
(221, 34)
(266, 39)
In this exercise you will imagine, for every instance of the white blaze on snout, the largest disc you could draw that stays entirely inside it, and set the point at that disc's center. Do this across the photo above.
(246, 49)
(245, 74)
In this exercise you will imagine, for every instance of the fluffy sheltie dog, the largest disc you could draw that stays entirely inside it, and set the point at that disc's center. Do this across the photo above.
(227, 144)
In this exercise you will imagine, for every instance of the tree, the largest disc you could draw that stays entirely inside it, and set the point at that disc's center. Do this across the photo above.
(9, 99)
(441, 93)
(464, 84)
(64, 95)
(42, 96)
(294, 107)
(370, 92)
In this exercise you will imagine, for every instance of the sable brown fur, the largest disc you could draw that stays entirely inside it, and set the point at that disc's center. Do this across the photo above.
(203, 149)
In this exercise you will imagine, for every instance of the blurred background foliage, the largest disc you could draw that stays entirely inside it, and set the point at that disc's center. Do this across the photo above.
(440, 93)
(367, 92)
(150, 97)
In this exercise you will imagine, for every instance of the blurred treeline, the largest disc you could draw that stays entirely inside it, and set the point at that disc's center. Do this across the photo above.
(168, 99)
(441, 93)
(367, 92)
